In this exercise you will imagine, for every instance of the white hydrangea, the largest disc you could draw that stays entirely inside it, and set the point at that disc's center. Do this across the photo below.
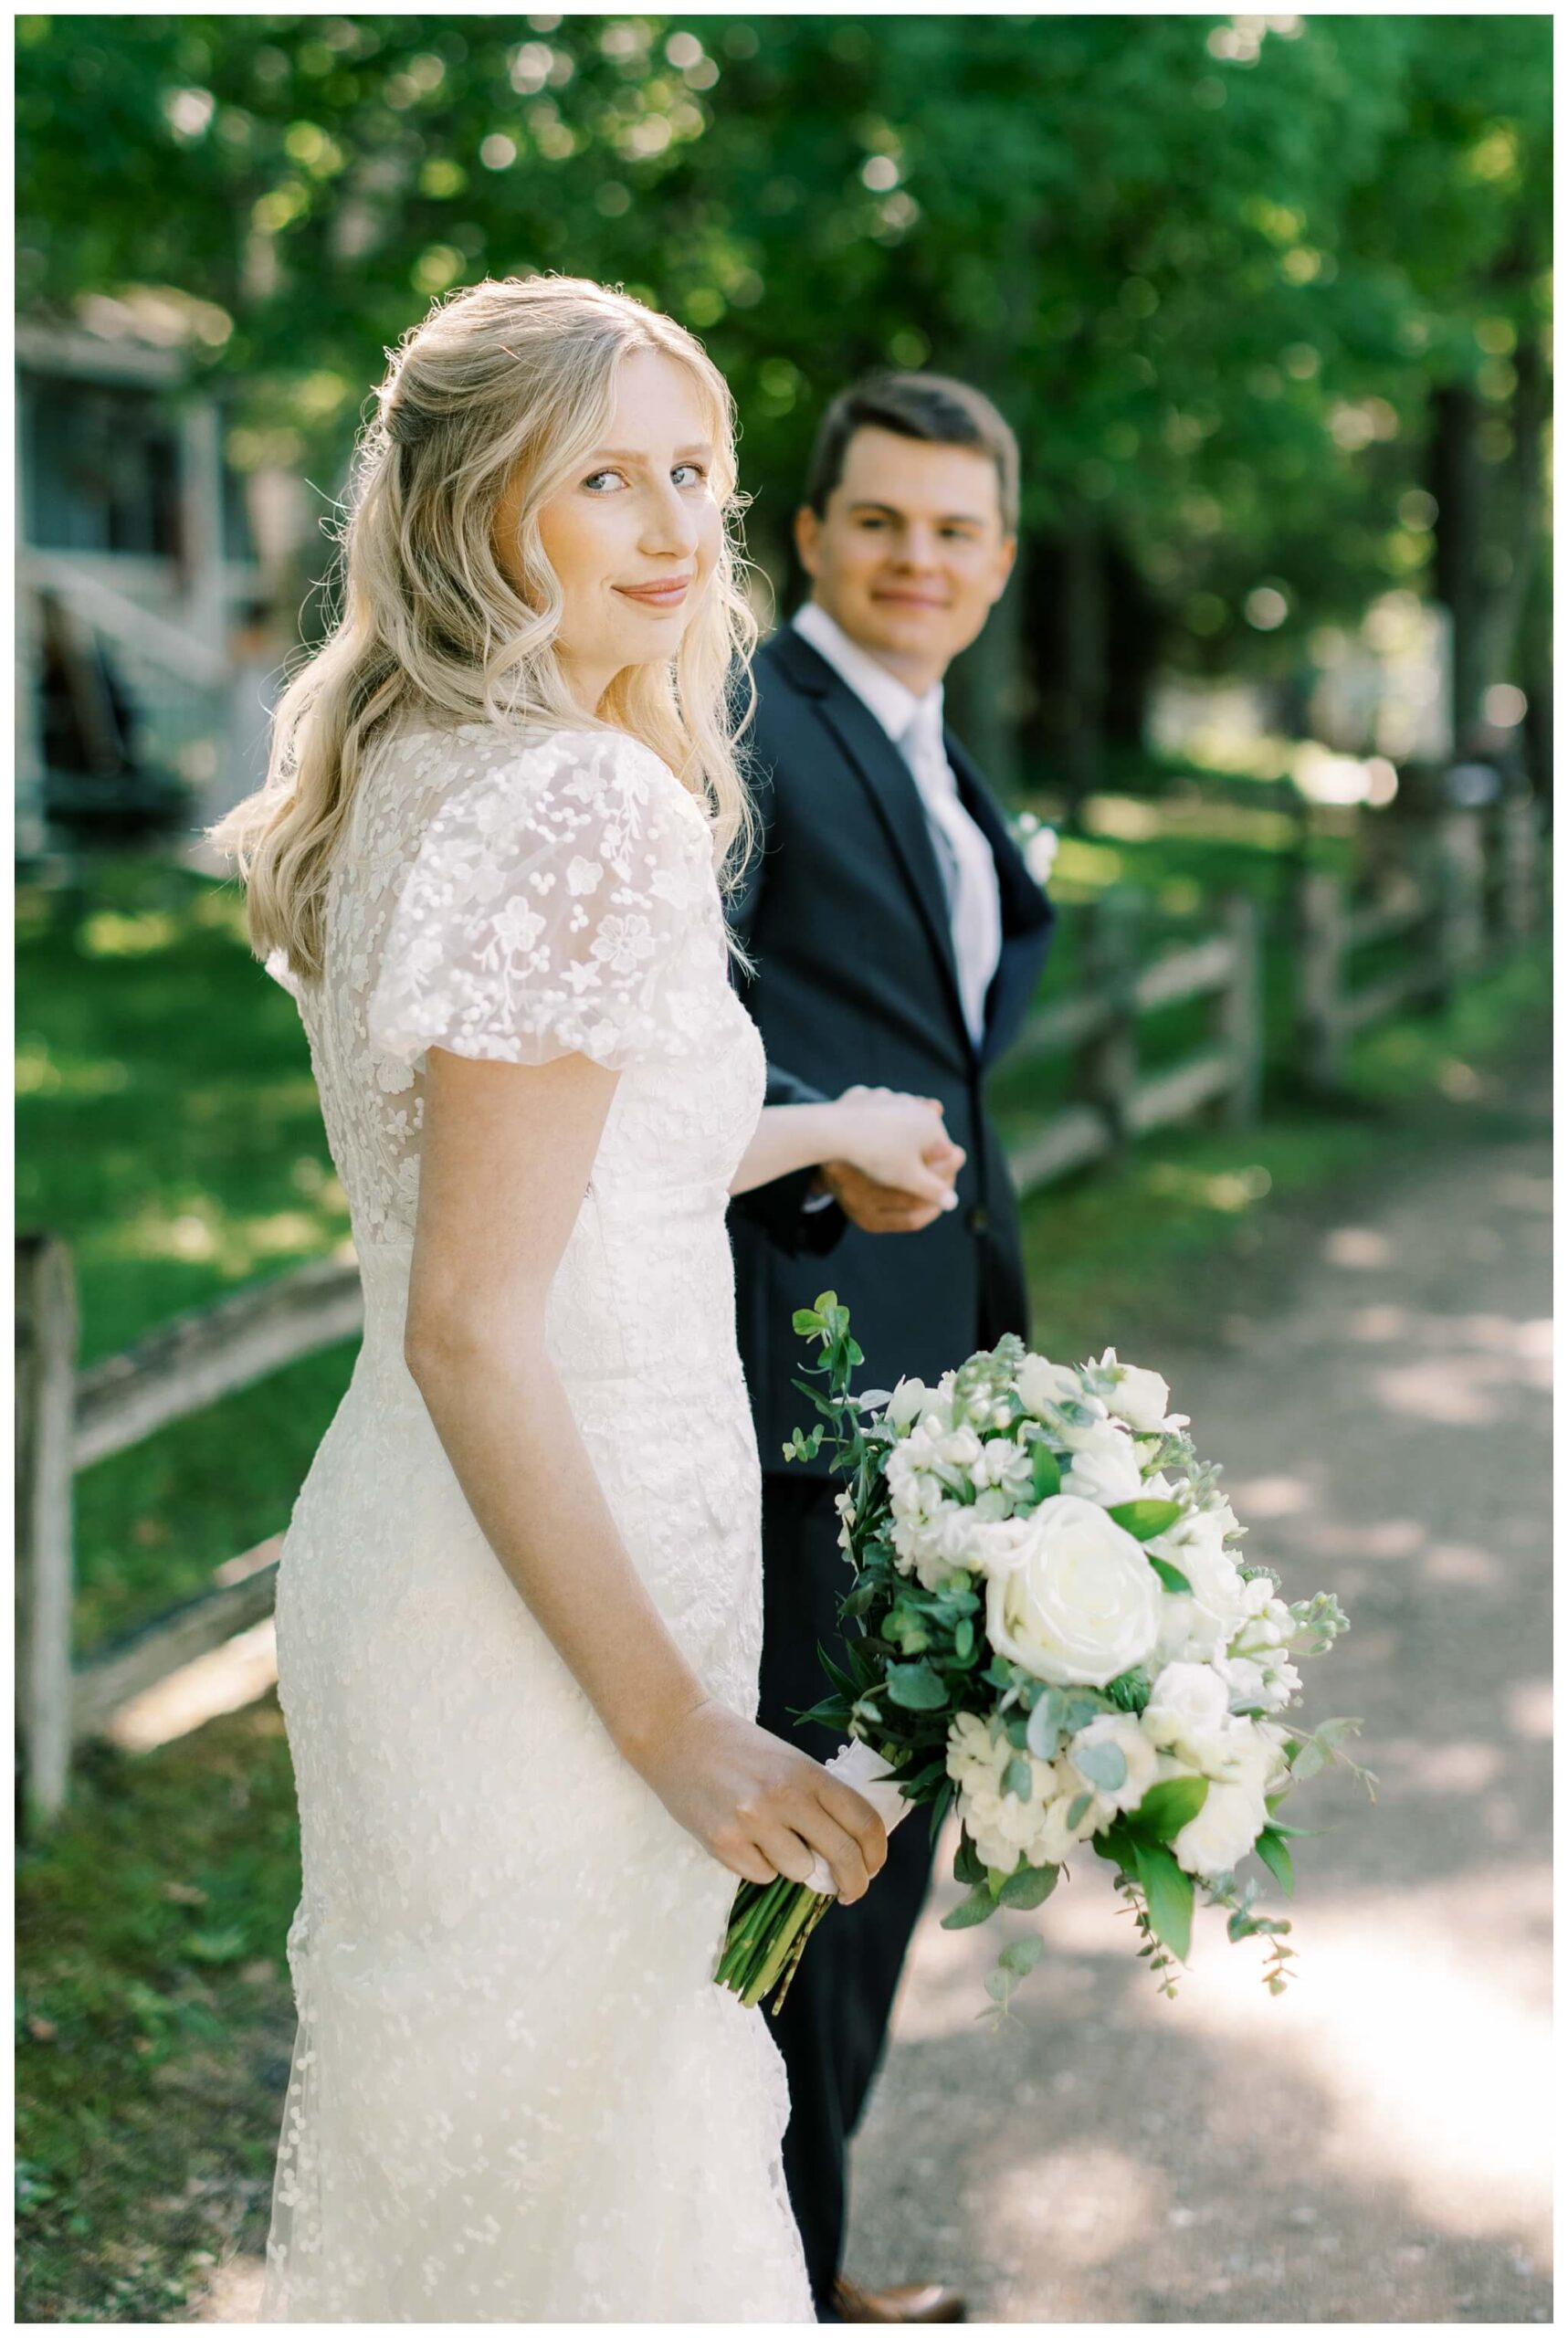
(1141, 1771)
(1001, 1827)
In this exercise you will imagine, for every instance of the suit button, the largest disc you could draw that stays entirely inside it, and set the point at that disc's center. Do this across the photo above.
(978, 1219)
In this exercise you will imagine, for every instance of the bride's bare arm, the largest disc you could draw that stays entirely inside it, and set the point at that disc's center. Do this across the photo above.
(506, 1155)
(898, 1141)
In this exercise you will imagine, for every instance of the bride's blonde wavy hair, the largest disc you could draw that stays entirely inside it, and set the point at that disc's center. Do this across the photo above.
(506, 374)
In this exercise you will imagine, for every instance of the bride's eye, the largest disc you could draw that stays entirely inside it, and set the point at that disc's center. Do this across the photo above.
(593, 482)
(688, 474)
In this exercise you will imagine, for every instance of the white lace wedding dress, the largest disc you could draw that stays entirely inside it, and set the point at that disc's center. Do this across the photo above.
(516, 2094)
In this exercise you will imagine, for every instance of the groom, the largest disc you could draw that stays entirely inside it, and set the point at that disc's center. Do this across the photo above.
(897, 939)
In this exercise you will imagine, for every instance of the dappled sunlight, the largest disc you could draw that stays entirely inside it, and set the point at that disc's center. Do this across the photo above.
(222, 1682)
(1274, 1497)
(1077, 2205)
(1359, 1246)
(115, 934)
(239, 1247)
(1531, 1710)
(40, 1071)
(1424, 2023)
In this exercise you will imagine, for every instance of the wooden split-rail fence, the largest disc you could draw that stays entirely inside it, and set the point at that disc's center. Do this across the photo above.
(1469, 892)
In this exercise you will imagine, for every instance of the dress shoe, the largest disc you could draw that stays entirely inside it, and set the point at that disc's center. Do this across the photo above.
(910, 2302)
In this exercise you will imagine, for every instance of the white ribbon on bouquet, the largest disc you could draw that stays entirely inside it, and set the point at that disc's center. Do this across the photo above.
(855, 1765)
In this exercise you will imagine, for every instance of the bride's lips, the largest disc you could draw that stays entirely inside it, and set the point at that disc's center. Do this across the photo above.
(669, 594)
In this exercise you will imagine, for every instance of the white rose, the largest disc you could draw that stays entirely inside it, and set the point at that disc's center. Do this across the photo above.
(1223, 1832)
(1187, 1701)
(1141, 1398)
(1105, 1472)
(1079, 1603)
(1143, 1764)
(960, 1449)
(1042, 1386)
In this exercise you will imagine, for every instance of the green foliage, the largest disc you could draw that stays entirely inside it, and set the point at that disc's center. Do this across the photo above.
(1183, 255)
(1143, 1520)
(1166, 1809)
(1170, 1576)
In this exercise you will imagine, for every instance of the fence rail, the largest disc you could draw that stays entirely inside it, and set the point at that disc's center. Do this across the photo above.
(1471, 889)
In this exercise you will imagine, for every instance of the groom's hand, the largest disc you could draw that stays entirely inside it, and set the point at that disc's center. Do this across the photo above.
(886, 1209)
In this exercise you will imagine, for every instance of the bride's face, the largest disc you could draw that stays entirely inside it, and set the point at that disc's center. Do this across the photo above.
(634, 538)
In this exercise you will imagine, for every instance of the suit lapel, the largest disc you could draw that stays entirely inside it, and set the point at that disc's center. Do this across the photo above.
(890, 785)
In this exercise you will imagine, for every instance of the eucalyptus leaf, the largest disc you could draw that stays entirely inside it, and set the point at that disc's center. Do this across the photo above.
(1104, 1765)
(1029, 1887)
(916, 1688)
(1077, 1807)
(1021, 1956)
(1018, 1779)
(976, 1910)
(1045, 1730)
(967, 1864)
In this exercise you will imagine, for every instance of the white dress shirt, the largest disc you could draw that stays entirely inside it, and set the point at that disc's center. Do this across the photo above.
(963, 855)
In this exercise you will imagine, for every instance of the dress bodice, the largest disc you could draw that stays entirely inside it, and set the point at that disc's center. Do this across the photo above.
(516, 899)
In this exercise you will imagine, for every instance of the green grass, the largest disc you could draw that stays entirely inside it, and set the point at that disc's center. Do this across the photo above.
(169, 1131)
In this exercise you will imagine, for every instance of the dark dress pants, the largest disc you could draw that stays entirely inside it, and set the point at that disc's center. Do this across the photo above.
(834, 2018)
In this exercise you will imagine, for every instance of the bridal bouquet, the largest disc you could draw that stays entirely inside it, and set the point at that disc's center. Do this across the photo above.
(1050, 1627)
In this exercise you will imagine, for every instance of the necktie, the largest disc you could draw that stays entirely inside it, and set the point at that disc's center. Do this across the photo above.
(964, 858)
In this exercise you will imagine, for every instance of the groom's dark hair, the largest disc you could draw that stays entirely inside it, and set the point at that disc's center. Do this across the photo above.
(932, 406)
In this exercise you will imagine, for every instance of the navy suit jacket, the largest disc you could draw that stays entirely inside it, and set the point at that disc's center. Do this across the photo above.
(845, 917)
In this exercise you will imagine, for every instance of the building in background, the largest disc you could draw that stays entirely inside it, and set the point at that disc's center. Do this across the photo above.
(145, 642)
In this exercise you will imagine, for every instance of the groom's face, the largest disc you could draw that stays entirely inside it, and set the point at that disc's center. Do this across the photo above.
(911, 552)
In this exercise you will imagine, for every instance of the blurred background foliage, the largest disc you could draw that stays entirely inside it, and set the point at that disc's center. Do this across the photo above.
(1266, 297)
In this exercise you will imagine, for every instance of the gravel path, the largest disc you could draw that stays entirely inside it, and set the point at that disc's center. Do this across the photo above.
(1372, 2146)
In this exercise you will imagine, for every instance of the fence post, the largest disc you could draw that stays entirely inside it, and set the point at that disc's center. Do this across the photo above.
(45, 1421)
(1109, 1060)
(1319, 932)
(1458, 875)
(1238, 1012)
(1517, 841)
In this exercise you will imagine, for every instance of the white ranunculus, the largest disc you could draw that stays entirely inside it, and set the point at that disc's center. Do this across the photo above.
(1188, 1701)
(1105, 1472)
(907, 1402)
(1141, 1398)
(1202, 1624)
(960, 1448)
(1121, 1729)
(1079, 1603)
(1043, 1386)
(1213, 1842)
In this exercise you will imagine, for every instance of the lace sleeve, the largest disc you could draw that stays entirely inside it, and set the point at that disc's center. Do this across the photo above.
(558, 905)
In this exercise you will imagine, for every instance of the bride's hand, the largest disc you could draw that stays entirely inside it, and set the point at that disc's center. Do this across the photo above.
(761, 1807)
(901, 1144)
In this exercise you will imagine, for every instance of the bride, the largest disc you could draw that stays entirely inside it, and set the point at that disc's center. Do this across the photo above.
(519, 1609)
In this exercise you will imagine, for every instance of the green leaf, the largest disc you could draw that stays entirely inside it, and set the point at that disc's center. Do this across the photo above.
(1029, 1887)
(1171, 1577)
(1145, 1519)
(967, 1867)
(1104, 1766)
(1021, 1956)
(825, 1299)
(1169, 1891)
(963, 1639)
(804, 1320)
(1131, 1690)
(1076, 1807)
(1275, 1853)
(1045, 1728)
(916, 1688)
(1047, 1472)
(975, 1909)
(1166, 1809)
(1018, 1779)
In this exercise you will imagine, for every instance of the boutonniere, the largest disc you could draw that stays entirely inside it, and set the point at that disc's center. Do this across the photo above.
(1035, 842)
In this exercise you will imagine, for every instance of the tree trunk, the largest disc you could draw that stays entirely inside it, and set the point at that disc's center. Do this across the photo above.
(1458, 485)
